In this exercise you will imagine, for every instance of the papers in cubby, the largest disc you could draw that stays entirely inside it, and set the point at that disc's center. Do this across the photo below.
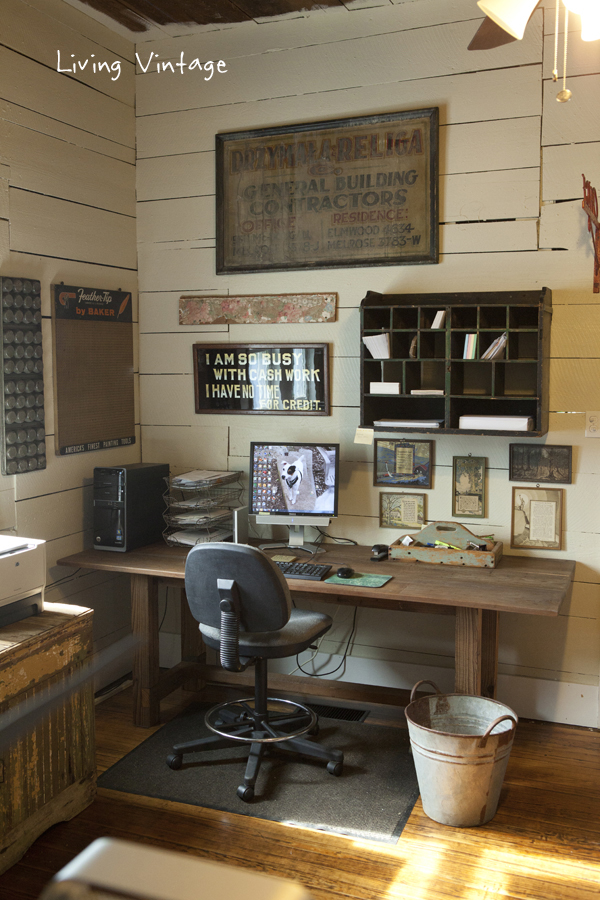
(496, 348)
(378, 345)
(408, 423)
(384, 387)
(496, 423)
(470, 346)
(440, 317)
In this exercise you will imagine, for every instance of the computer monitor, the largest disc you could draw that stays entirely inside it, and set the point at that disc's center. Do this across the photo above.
(294, 485)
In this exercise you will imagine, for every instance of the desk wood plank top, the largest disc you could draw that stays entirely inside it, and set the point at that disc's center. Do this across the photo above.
(520, 584)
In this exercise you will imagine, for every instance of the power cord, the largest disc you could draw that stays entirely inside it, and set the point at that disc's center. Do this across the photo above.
(343, 660)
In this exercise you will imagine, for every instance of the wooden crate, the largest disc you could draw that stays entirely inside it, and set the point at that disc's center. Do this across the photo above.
(459, 555)
(48, 768)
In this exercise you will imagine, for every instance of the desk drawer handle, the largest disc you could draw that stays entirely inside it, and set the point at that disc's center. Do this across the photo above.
(418, 684)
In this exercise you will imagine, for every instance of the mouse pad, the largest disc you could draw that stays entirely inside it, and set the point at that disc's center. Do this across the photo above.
(359, 580)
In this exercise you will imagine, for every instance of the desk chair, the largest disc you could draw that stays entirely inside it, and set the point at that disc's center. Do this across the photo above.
(243, 605)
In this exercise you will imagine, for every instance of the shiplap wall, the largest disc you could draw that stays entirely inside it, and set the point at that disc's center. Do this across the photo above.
(67, 213)
(511, 160)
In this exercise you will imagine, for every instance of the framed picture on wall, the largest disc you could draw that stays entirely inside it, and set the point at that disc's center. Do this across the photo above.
(402, 463)
(540, 463)
(401, 510)
(468, 497)
(345, 192)
(537, 517)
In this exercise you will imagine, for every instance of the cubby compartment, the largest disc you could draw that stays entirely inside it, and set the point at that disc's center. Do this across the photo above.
(523, 317)
(376, 319)
(485, 406)
(372, 371)
(486, 339)
(522, 345)
(405, 317)
(425, 359)
(432, 345)
(400, 344)
(457, 344)
(464, 317)
(472, 378)
(517, 380)
(493, 317)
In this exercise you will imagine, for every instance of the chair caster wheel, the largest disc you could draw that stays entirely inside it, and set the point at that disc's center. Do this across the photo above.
(245, 793)
(335, 768)
(175, 760)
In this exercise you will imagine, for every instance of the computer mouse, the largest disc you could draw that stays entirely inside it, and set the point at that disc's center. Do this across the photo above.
(345, 572)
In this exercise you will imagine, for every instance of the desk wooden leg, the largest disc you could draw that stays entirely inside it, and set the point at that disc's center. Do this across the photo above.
(146, 673)
(192, 645)
(476, 653)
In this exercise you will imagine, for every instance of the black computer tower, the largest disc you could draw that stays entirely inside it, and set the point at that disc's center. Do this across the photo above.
(129, 505)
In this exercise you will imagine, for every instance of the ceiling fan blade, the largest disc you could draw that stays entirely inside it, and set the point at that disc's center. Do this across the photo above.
(490, 35)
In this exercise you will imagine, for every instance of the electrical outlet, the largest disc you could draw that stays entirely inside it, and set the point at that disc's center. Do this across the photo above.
(592, 424)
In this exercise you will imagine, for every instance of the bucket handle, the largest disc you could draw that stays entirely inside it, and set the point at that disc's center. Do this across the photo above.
(418, 684)
(491, 727)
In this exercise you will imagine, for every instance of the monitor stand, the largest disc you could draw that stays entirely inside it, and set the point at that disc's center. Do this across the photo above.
(296, 542)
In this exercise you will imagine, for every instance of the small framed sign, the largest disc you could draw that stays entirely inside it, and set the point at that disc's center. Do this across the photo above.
(403, 462)
(540, 463)
(468, 498)
(537, 515)
(401, 510)
(347, 192)
(284, 379)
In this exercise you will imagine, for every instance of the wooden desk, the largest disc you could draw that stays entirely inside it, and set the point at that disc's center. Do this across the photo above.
(526, 585)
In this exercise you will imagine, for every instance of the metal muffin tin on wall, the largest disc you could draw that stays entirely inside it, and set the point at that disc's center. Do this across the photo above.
(23, 430)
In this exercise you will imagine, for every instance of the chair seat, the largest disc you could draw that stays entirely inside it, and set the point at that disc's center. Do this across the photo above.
(302, 628)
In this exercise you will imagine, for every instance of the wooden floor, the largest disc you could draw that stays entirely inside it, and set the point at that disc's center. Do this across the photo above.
(543, 843)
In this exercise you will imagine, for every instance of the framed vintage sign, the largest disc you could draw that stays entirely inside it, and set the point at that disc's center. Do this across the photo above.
(540, 463)
(537, 515)
(468, 497)
(401, 510)
(262, 378)
(403, 463)
(348, 192)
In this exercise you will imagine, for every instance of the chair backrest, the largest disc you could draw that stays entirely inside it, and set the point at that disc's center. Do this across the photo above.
(264, 595)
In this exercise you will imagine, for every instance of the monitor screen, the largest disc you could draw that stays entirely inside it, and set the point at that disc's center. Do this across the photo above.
(294, 479)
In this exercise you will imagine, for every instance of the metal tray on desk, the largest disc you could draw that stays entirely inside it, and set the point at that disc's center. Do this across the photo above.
(458, 555)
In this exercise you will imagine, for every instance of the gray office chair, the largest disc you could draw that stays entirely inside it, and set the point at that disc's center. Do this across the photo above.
(243, 605)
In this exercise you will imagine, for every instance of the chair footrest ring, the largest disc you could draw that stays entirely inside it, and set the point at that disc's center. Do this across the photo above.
(247, 717)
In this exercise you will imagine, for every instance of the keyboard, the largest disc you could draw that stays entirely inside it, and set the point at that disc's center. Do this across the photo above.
(308, 571)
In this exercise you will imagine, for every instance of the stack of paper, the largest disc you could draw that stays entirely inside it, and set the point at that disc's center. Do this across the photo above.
(440, 316)
(189, 537)
(496, 423)
(424, 392)
(207, 517)
(378, 345)
(496, 348)
(470, 346)
(408, 423)
(384, 387)
(203, 476)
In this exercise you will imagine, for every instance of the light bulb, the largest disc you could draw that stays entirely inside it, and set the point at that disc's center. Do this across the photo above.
(590, 26)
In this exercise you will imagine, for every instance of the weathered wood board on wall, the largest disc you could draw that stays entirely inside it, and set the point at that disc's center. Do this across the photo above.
(93, 368)
(257, 309)
(351, 192)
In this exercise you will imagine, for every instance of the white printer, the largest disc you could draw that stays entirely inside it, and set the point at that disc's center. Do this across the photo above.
(22, 577)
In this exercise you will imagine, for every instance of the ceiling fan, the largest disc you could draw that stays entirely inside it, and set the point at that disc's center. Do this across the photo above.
(506, 20)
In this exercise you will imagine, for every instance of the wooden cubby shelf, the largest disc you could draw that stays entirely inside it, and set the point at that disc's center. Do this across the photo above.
(426, 359)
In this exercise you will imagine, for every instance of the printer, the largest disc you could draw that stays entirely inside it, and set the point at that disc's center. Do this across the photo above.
(22, 577)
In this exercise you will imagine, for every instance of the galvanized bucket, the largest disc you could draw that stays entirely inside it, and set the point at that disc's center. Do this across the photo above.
(460, 764)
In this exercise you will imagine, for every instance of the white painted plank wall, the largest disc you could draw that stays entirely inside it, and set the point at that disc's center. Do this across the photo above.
(67, 197)
(501, 128)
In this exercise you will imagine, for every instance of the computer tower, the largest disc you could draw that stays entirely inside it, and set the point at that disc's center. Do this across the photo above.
(129, 505)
